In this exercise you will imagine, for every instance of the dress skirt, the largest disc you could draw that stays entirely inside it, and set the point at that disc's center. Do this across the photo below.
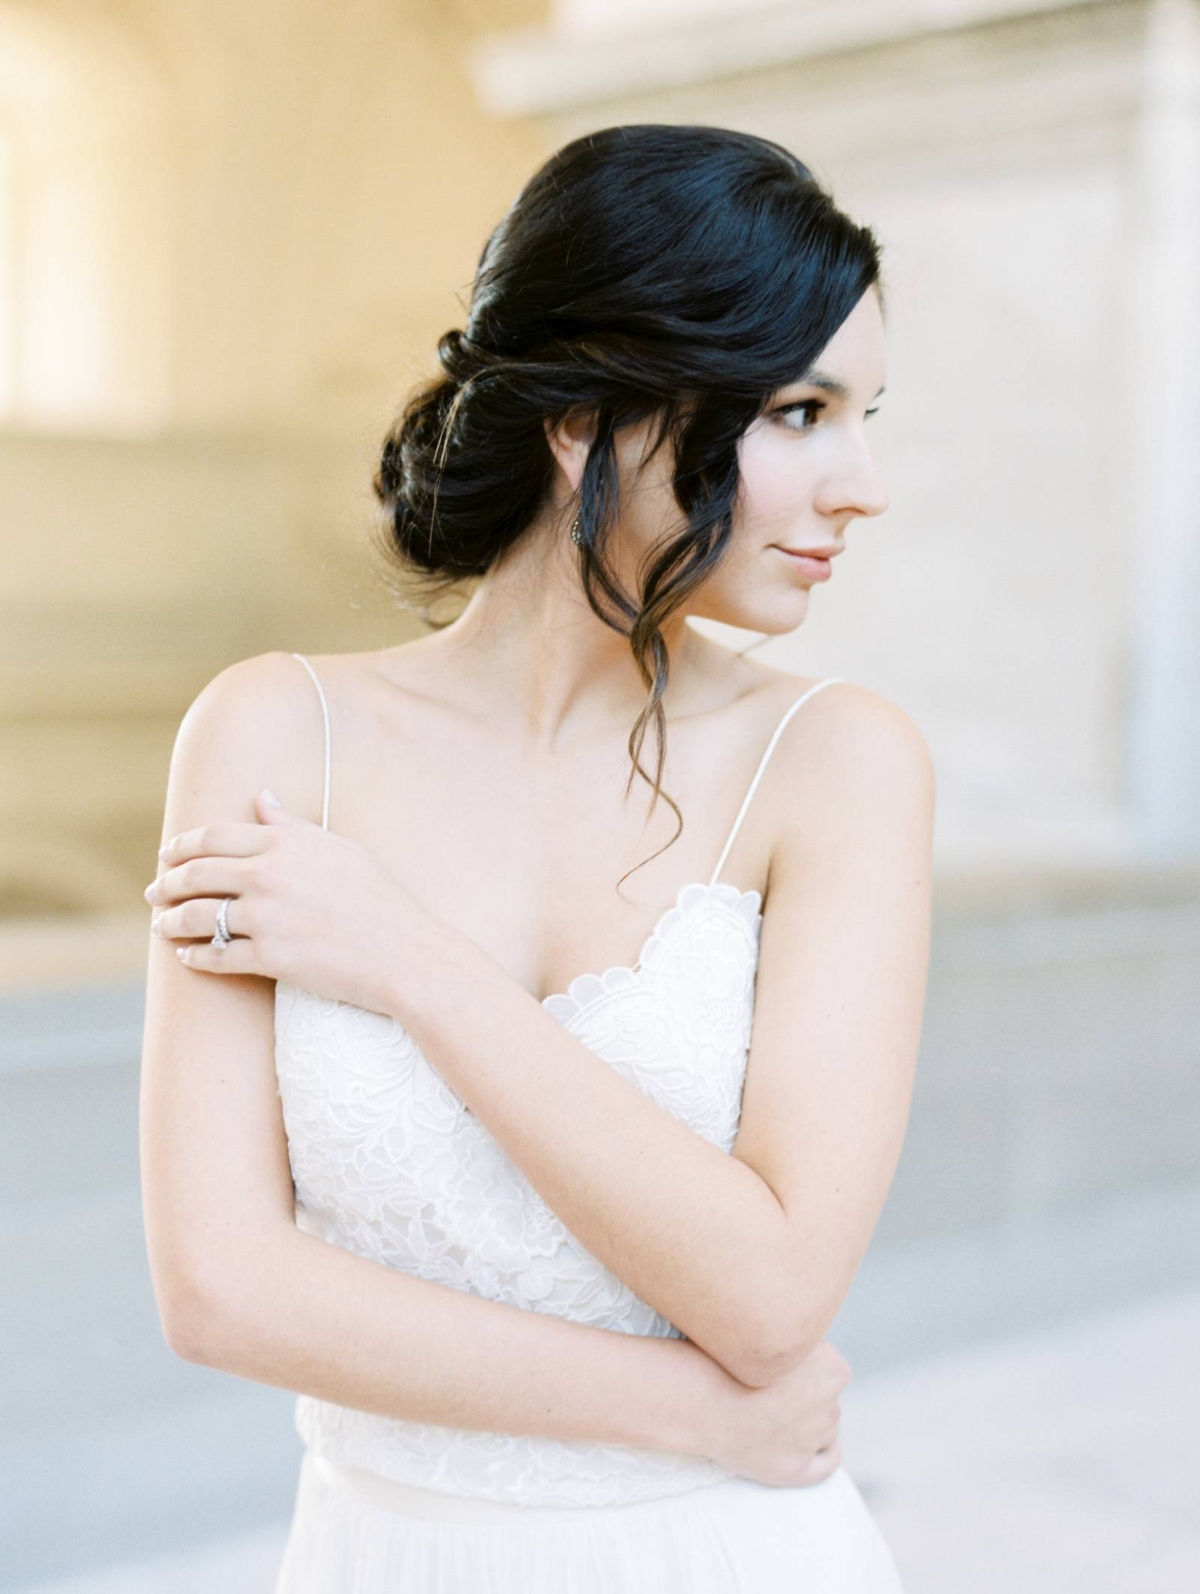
(354, 1532)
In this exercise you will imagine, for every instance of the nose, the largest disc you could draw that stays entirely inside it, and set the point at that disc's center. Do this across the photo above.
(857, 490)
(873, 500)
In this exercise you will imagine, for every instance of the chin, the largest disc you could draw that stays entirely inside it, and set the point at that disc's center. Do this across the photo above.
(774, 616)
(745, 598)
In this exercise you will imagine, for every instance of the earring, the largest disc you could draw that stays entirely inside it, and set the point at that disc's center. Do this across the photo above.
(577, 530)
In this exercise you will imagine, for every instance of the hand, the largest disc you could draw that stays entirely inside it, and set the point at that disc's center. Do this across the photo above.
(309, 907)
(785, 1433)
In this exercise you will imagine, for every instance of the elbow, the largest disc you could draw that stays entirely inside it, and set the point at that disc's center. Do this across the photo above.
(773, 1349)
(187, 1340)
(758, 1366)
(213, 1309)
(190, 1325)
(761, 1366)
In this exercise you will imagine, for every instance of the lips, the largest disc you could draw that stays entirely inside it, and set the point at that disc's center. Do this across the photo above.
(817, 567)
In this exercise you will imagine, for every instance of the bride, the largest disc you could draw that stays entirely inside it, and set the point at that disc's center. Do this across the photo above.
(547, 1244)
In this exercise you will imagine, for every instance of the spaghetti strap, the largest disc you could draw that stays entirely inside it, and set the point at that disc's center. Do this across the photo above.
(325, 714)
(762, 764)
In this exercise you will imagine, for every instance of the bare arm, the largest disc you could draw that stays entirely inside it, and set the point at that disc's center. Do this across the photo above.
(311, 1317)
(240, 1287)
(751, 1255)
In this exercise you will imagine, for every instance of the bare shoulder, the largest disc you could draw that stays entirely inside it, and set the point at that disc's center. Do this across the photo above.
(861, 724)
(249, 685)
(270, 694)
(258, 722)
(848, 722)
(857, 765)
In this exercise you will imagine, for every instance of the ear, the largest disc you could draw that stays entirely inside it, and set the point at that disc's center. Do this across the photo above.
(569, 441)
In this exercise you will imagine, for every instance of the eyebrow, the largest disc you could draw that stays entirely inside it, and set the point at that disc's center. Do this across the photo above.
(831, 384)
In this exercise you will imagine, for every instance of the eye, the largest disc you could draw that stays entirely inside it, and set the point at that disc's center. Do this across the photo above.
(810, 406)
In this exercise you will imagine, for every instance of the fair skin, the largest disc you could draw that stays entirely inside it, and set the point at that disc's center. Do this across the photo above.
(447, 894)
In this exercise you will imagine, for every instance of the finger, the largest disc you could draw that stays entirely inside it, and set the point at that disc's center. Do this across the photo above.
(239, 957)
(222, 839)
(195, 919)
(822, 1464)
(199, 877)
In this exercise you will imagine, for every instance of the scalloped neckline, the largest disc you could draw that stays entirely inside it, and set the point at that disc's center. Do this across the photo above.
(634, 969)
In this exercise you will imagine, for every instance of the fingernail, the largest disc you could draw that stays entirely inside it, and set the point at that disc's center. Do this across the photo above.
(268, 796)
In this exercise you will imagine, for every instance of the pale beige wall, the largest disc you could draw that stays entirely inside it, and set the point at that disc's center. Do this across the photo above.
(289, 202)
(284, 201)
(1032, 168)
(279, 201)
(85, 239)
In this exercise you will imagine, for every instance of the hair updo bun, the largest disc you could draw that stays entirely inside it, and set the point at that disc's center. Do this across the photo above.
(464, 468)
(459, 357)
(645, 269)
(684, 272)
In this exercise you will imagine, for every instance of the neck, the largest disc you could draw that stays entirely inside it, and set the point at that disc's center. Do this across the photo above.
(540, 658)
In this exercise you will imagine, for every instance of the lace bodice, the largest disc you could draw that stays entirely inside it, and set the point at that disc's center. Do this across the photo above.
(388, 1163)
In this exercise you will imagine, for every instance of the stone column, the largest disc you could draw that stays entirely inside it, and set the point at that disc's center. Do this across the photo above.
(1163, 737)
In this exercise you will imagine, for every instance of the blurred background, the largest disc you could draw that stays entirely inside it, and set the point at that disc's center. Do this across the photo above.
(229, 238)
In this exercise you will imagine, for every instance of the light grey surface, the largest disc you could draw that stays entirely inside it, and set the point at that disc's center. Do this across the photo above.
(1052, 1462)
(1061, 1461)
(1051, 1167)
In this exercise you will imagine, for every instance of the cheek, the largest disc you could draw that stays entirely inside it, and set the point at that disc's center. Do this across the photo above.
(646, 495)
(772, 488)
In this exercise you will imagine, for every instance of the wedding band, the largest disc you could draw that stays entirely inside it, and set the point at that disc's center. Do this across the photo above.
(222, 937)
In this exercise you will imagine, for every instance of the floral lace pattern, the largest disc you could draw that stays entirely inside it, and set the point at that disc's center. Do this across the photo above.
(388, 1163)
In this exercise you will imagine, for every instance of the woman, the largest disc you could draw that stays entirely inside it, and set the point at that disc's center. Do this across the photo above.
(549, 1255)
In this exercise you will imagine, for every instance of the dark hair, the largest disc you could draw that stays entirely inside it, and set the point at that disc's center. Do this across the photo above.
(687, 272)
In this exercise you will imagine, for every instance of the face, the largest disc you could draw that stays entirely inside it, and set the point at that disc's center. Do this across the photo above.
(806, 472)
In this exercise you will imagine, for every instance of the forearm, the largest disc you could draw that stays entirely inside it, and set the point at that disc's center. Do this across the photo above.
(690, 1229)
(314, 1318)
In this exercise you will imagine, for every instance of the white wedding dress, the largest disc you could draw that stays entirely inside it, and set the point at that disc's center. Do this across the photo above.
(388, 1163)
